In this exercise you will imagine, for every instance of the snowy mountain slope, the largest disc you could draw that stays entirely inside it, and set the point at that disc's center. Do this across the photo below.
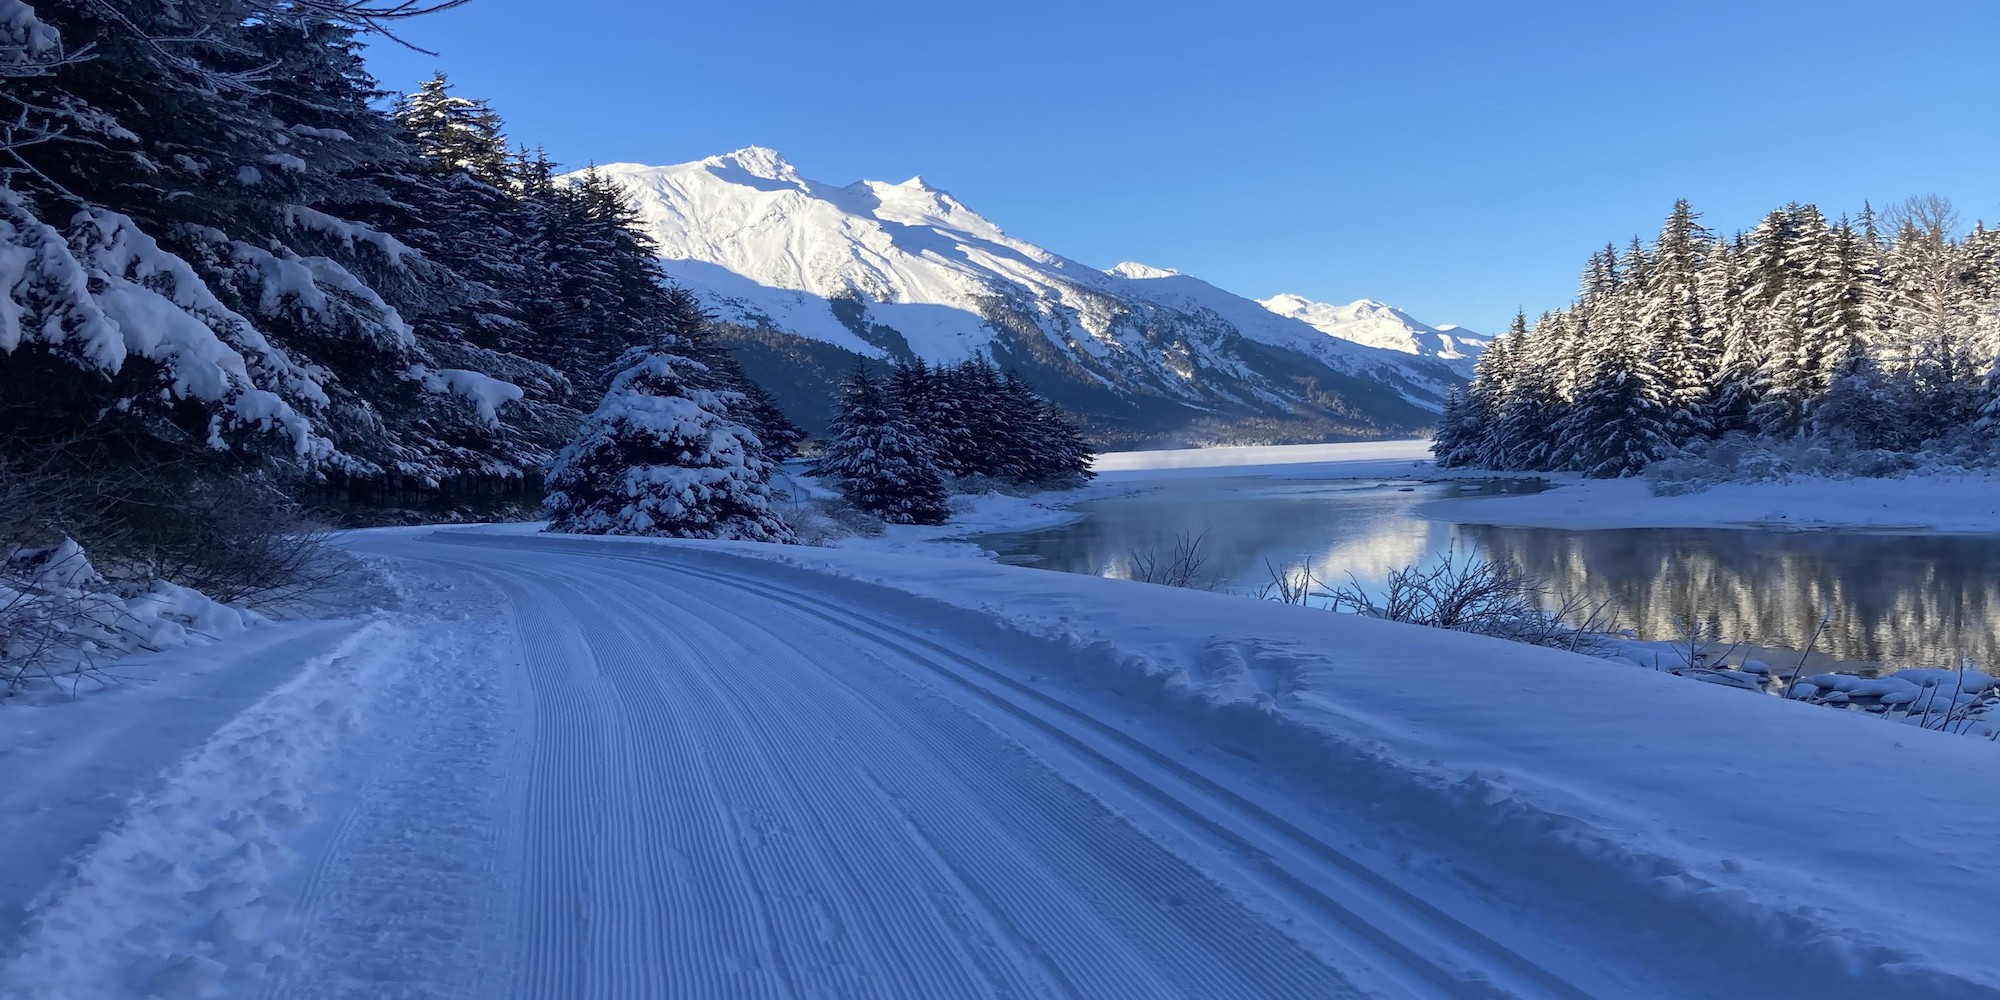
(906, 270)
(1374, 324)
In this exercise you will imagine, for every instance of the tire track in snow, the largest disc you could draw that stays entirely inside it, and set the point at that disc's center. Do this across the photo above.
(732, 740)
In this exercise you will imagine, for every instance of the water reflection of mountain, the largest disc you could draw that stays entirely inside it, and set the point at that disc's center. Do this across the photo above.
(1365, 532)
(1904, 600)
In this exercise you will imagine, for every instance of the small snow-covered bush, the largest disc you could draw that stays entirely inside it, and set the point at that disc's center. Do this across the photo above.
(60, 621)
(827, 520)
(1741, 458)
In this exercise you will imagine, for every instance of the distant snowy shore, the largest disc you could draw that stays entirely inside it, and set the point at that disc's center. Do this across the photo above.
(1944, 504)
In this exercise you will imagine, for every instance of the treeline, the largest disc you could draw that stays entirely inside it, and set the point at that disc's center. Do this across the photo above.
(899, 444)
(1803, 327)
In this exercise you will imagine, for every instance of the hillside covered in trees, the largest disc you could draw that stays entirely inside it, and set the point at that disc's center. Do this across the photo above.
(1873, 337)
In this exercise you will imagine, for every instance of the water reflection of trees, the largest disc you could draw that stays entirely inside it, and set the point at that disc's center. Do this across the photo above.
(1894, 599)
(1364, 535)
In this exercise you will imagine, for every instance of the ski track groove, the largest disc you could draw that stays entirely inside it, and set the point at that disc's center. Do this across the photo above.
(802, 808)
(1437, 975)
(726, 743)
(1222, 938)
(730, 785)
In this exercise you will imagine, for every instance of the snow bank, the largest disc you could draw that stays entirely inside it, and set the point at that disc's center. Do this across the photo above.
(178, 895)
(1644, 797)
(977, 514)
(1945, 503)
(61, 623)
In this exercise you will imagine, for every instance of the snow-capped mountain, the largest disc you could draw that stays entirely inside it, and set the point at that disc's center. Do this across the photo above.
(809, 273)
(1375, 324)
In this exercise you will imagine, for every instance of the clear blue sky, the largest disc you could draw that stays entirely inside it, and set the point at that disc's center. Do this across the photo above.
(1457, 159)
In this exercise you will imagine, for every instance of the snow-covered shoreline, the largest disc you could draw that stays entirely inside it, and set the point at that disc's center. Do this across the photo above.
(1932, 504)
(1967, 503)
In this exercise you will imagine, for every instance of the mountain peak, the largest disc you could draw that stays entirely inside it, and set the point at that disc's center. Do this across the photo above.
(1134, 269)
(1379, 324)
(757, 161)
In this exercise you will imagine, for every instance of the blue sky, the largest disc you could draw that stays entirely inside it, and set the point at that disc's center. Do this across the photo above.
(1456, 159)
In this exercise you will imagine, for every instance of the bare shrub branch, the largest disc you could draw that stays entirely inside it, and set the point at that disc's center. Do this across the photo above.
(1185, 564)
(1466, 594)
(1288, 584)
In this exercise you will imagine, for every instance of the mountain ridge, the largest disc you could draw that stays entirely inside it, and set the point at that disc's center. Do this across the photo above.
(889, 271)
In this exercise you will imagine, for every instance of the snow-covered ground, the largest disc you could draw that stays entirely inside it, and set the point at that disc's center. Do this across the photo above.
(544, 766)
(1933, 503)
(563, 767)
(1347, 460)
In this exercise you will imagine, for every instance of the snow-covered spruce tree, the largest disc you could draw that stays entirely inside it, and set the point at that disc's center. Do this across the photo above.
(1016, 442)
(1064, 454)
(926, 398)
(761, 413)
(1528, 407)
(658, 457)
(879, 462)
(694, 329)
(967, 396)
(1460, 428)
(230, 204)
(1619, 423)
(1672, 318)
(459, 134)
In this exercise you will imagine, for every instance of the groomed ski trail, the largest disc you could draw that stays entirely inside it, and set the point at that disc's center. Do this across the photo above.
(732, 787)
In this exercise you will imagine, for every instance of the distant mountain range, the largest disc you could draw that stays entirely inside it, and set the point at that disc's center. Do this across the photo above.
(808, 276)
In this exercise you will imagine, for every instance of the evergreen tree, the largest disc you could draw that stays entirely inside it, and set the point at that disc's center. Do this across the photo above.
(458, 134)
(658, 457)
(1680, 338)
(761, 413)
(879, 462)
(1063, 456)
(1527, 405)
(1016, 444)
(1460, 430)
(1620, 425)
(1737, 391)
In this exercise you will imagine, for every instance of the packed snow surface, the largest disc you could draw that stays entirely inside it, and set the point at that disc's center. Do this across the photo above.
(566, 767)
